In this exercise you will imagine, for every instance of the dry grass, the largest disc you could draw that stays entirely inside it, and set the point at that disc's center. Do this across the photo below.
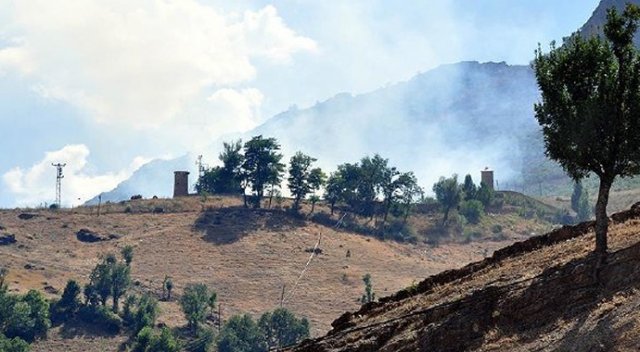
(260, 252)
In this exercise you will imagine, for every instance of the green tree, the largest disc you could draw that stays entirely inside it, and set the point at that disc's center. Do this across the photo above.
(225, 179)
(334, 190)
(127, 254)
(409, 192)
(469, 188)
(372, 176)
(15, 344)
(472, 210)
(194, 303)
(590, 107)
(281, 328)
(485, 194)
(100, 281)
(448, 194)
(298, 181)
(145, 314)
(241, 334)
(369, 295)
(261, 165)
(147, 341)
(25, 317)
(120, 282)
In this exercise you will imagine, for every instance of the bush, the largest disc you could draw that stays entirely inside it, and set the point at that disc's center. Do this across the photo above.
(147, 341)
(281, 328)
(66, 308)
(400, 231)
(194, 303)
(26, 317)
(102, 317)
(472, 210)
(15, 344)
(496, 229)
(241, 333)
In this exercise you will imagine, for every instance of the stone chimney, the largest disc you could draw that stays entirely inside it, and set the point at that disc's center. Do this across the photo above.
(181, 184)
(487, 177)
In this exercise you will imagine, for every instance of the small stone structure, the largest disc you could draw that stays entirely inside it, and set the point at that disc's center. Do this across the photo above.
(487, 177)
(181, 184)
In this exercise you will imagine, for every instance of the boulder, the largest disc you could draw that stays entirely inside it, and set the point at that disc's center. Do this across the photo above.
(27, 216)
(89, 236)
(7, 239)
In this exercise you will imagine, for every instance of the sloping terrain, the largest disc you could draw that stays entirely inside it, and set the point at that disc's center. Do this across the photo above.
(543, 294)
(245, 255)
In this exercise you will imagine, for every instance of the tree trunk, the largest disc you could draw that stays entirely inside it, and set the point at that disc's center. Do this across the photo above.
(115, 304)
(446, 216)
(602, 221)
(313, 206)
(332, 207)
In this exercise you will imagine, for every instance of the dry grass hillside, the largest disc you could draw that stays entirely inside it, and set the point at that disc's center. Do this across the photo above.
(543, 294)
(245, 255)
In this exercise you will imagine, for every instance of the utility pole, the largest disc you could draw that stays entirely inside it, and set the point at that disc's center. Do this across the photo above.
(59, 177)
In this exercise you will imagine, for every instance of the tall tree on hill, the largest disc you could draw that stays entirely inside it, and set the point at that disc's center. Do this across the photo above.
(225, 179)
(409, 191)
(334, 190)
(373, 172)
(448, 193)
(590, 108)
(299, 177)
(261, 165)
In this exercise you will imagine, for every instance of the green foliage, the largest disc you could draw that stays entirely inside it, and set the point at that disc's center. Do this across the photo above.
(101, 317)
(302, 178)
(127, 254)
(139, 313)
(590, 107)
(496, 229)
(15, 344)
(167, 287)
(226, 179)
(281, 328)
(194, 303)
(448, 193)
(109, 278)
(147, 341)
(369, 295)
(261, 166)
(485, 194)
(580, 202)
(68, 305)
(472, 210)
(26, 317)
(576, 195)
(469, 188)
(241, 334)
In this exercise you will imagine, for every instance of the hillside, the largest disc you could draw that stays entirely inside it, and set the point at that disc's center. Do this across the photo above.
(245, 255)
(538, 295)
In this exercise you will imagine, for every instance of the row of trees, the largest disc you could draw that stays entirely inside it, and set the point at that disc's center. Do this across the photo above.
(368, 187)
(469, 198)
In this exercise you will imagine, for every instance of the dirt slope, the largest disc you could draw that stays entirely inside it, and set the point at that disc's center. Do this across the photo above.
(245, 255)
(539, 295)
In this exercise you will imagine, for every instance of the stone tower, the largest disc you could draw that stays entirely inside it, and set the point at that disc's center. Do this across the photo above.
(487, 177)
(181, 184)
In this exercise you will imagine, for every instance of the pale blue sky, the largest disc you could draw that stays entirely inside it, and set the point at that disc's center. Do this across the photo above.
(59, 89)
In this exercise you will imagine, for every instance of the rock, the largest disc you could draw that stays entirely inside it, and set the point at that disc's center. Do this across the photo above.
(158, 210)
(52, 290)
(314, 250)
(89, 236)
(7, 239)
(114, 236)
(27, 216)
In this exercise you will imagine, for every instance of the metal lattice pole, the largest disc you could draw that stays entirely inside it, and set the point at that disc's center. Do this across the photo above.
(59, 177)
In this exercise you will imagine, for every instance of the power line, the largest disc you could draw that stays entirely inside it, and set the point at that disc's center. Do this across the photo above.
(59, 177)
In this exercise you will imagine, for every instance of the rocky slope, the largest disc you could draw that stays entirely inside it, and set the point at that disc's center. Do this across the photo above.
(542, 294)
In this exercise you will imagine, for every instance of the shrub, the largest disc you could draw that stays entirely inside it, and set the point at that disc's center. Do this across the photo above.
(400, 231)
(127, 254)
(15, 344)
(281, 328)
(66, 308)
(241, 333)
(194, 303)
(26, 317)
(102, 317)
(369, 295)
(472, 210)
(496, 229)
(145, 314)
(147, 341)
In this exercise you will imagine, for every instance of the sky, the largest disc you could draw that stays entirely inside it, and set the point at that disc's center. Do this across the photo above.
(108, 86)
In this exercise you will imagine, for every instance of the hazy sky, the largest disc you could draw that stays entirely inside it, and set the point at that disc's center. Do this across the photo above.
(106, 86)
